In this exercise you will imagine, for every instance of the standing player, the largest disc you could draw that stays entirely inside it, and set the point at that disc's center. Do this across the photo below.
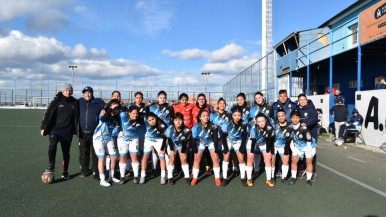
(128, 142)
(283, 132)
(285, 103)
(103, 140)
(262, 137)
(155, 139)
(205, 135)
(185, 109)
(234, 136)
(243, 106)
(302, 144)
(60, 122)
(178, 137)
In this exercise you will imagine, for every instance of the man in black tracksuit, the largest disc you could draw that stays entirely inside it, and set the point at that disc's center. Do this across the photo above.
(89, 110)
(340, 114)
(60, 122)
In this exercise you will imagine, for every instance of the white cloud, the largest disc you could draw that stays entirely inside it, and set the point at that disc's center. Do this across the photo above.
(188, 54)
(50, 20)
(226, 53)
(230, 67)
(79, 9)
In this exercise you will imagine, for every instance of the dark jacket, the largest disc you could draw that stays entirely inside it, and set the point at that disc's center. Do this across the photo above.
(288, 106)
(340, 113)
(358, 119)
(339, 97)
(50, 116)
(380, 86)
(89, 112)
(309, 116)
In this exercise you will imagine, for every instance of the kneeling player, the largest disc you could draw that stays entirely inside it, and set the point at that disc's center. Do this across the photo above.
(283, 132)
(128, 142)
(302, 144)
(205, 135)
(154, 138)
(178, 136)
(103, 140)
(234, 136)
(262, 136)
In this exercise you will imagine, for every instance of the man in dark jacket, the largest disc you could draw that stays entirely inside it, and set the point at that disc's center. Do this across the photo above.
(89, 110)
(340, 113)
(338, 96)
(60, 122)
(354, 124)
(309, 119)
(285, 103)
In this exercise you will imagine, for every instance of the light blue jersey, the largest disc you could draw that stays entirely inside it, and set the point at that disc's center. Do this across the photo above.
(106, 130)
(130, 128)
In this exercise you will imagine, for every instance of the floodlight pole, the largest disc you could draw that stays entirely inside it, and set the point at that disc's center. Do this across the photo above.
(205, 74)
(72, 67)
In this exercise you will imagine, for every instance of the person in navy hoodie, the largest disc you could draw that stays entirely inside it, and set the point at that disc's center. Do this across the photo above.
(285, 103)
(309, 119)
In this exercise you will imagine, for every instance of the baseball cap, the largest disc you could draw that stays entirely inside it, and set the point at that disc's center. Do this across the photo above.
(88, 89)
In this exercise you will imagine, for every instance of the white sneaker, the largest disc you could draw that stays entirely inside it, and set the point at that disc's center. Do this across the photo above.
(113, 179)
(142, 180)
(104, 183)
(163, 181)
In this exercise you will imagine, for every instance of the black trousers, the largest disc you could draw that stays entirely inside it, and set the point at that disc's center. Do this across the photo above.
(86, 149)
(65, 142)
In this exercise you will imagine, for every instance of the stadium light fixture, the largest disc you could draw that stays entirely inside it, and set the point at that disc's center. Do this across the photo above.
(72, 67)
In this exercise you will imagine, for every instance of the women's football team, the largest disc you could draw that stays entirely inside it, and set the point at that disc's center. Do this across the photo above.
(180, 135)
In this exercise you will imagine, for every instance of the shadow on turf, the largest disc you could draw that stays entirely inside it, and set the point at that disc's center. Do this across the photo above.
(63, 180)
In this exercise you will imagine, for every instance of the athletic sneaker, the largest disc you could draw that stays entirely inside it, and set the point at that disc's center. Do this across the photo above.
(96, 176)
(187, 181)
(142, 180)
(309, 183)
(270, 183)
(250, 182)
(113, 179)
(278, 174)
(301, 173)
(170, 182)
(104, 183)
(217, 181)
(236, 172)
(122, 181)
(194, 181)
(136, 180)
(224, 182)
(313, 177)
(163, 181)
(65, 176)
(128, 174)
(50, 169)
(284, 181)
(244, 182)
(85, 174)
(292, 181)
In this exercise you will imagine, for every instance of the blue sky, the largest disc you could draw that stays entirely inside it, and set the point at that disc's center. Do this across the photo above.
(148, 42)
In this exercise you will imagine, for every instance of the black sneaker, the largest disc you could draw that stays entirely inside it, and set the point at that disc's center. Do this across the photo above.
(273, 180)
(122, 181)
(292, 181)
(285, 182)
(50, 169)
(65, 176)
(136, 180)
(85, 174)
(187, 181)
(170, 182)
(244, 182)
(224, 182)
(309, 183)
(96, 177)
(236, 173)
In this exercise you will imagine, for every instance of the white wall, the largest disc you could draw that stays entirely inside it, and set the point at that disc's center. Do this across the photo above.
(373, 135)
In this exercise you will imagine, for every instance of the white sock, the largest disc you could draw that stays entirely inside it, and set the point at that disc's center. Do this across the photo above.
(225, 169)
(143, 173)
(128, 164)
(108, 161)
(154, 158)
(256, 161)
(122, 169)
(102, 177)
(242, 171)
(309, 175)
(185, 168)
(166, 159)
(111, 173)
(293, 173)
(284, 170)
(163, 173)
(170, 171)
(216, 171)
(273, 172)
(249, 172)
(268, 172)
(135, 168)
(195, 173)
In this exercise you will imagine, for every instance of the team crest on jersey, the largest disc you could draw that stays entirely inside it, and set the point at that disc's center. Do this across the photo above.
(287, 134)
(301, 136)
(305, 114)
(289, 106)
(308, 136)
(224, 128)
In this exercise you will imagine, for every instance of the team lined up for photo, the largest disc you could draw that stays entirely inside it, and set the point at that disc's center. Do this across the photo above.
(187, 132)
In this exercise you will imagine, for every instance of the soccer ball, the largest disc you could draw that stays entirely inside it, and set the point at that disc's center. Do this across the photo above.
(339, 142)
(48, 177)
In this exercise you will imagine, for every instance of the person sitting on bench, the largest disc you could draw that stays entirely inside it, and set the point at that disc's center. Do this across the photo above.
(353, 125)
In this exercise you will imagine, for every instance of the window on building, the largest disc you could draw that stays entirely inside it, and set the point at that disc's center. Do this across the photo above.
(353, 84)
(354, 34)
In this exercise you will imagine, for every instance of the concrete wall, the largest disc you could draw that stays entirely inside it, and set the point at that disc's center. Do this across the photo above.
(371, 105)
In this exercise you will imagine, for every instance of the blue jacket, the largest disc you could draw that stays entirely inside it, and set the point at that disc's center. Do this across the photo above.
(309, 116)
(89, 112)
(288, 106)
(339, 97)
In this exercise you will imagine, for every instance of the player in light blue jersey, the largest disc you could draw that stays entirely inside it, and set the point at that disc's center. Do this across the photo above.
(103, 140)
(262, 137)
(205, 135)
(302, 144)
(128, 141)
(283, 132)
(154, 139)
(220, 117)
(178, 137)
(234, 136)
